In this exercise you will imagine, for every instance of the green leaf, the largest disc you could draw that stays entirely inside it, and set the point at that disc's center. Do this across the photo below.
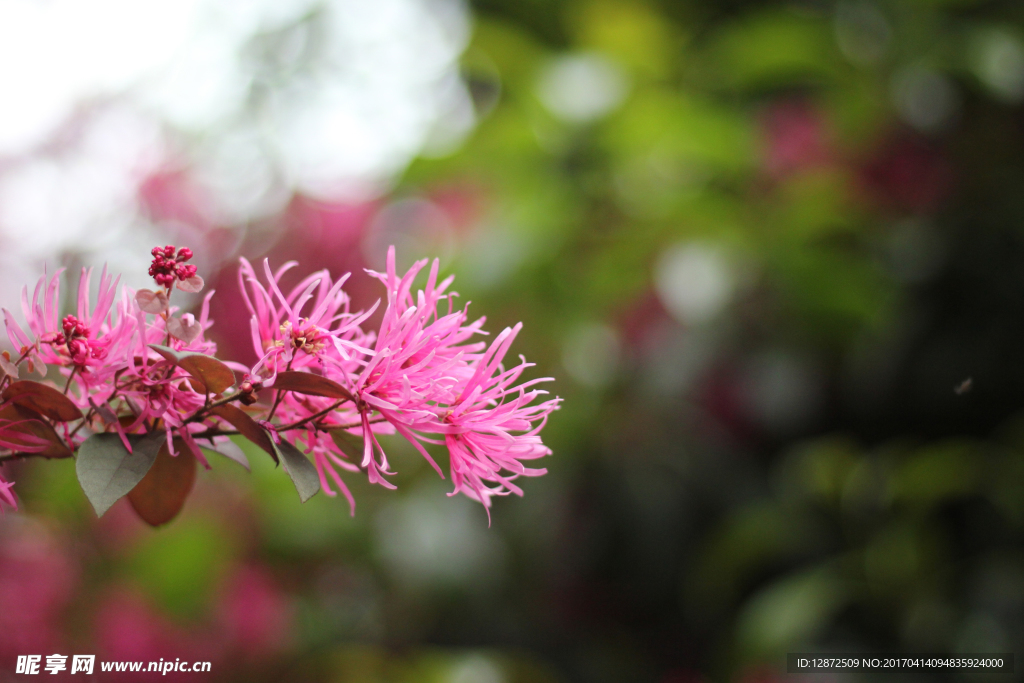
(307, 383)
(107, 471)
(213, 374)
(159, 497)
(247, 427)
(939, 473)
(298, 467)
(231, 451)
(182, 567)
(791, 611)
(43, 399)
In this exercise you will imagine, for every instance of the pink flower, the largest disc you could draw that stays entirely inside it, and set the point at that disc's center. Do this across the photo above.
(326, 337)
(421, 375)
(428, 380)
(494, 426)
(284, 335)
(5, 494)
(154, 389)
(105, 351)
(91, 343)
(418, 365)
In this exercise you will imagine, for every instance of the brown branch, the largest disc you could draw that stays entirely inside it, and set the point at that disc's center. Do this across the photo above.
(201, 414)
(296, 425)
(284, 428)
(70, 377)
(8, 457)
(215, 432)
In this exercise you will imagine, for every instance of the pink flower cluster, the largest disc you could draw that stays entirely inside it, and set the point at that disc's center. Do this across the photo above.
(109, 371)
(425, 374)
(421, 374)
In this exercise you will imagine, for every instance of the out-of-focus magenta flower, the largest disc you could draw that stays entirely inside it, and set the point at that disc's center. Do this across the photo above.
(908, 174)
(254, 615)
(127, 628)
(172, 194)
(795, 138)
(37, 580)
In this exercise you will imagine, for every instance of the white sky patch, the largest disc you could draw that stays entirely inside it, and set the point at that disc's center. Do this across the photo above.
(254, 98)
(56, 54)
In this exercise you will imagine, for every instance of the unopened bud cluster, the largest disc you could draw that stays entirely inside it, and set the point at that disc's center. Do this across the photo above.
(169, 266)
(247, 392)
(75, 333)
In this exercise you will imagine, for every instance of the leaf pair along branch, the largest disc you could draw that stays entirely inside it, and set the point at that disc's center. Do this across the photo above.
(110, 470)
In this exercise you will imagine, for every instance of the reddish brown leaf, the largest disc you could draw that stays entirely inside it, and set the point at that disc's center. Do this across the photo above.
(247, 427)
(159, 497)
(207, 369)
(43, 399)
(307, 383)
(35, 427)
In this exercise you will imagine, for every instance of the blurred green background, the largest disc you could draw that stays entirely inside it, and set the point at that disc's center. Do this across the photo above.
(772, 252)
